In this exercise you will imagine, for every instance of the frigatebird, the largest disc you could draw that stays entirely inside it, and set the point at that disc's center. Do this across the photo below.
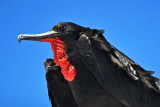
(97, 74)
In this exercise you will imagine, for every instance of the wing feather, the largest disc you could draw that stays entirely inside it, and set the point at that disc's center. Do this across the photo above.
(117, 73)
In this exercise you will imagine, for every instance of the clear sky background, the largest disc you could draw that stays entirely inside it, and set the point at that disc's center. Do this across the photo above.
(133, 26)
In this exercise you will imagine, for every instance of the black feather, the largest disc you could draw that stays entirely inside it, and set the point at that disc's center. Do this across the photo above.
(59, 91)
(98, 60)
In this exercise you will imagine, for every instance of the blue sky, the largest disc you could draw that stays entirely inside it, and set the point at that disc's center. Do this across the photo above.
(130, 25)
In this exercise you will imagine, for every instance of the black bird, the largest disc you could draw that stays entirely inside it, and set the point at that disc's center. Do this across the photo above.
(99, 75)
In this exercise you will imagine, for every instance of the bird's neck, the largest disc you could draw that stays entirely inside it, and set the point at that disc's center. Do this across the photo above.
(61, 59)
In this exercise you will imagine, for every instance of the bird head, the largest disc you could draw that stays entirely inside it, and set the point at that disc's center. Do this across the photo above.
(60, 30)
(62, 38)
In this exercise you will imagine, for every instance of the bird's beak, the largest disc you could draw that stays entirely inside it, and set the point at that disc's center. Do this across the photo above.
(38, 37)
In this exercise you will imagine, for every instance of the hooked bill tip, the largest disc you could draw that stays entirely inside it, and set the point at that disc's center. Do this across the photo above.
(19, 38)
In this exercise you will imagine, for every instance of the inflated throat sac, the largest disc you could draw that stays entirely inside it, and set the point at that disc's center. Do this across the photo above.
(61, 58)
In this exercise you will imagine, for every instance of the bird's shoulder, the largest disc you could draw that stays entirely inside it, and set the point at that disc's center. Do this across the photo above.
(134, 70)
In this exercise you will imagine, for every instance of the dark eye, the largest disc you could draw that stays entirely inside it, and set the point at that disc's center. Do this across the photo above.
(62, 28)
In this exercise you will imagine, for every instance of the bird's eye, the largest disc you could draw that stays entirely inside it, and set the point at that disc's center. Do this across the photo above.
(62, 28)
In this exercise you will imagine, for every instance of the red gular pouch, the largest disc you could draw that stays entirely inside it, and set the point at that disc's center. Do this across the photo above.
(61, 58)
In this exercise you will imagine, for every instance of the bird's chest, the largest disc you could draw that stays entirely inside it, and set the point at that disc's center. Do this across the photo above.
(85, 88)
